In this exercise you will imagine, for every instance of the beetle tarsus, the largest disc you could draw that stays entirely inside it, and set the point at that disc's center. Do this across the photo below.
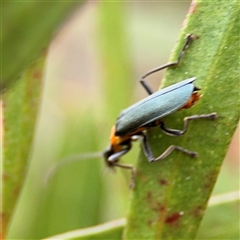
(129, 167)
(211, 116)
(189, 40)
(174, 147)
(177, 132)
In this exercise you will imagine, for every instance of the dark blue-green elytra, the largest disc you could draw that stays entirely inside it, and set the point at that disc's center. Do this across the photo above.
(155, 106)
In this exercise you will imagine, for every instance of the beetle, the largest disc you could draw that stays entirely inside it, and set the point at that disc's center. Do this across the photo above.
(149, 112)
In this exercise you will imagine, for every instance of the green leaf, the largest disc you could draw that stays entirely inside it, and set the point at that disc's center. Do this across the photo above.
(77, 191)
(222, 205)
(27, 27)
(20, 110)
(221, 220)
(171, 195)
(114, 52)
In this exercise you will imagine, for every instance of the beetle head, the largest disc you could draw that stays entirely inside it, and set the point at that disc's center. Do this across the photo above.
(106, 154)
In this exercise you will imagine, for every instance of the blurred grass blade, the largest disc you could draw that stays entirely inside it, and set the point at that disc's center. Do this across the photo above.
(225, 198)
(20, 109)
(113, 229)
(109, 230)
(171, 195)
(115, 54)
(221, 220)
(27, 26)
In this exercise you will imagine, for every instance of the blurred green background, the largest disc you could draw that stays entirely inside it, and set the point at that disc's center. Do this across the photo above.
(78, 111)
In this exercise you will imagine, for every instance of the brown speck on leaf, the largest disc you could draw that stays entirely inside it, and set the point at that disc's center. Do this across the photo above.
(5, 176)
(209, 179)
(150, 222)
(173, 218)
(163, 182)
(37, 75)
(198, 211)
(149, 197)
(16, 191)
(141, 176)
(159, 207)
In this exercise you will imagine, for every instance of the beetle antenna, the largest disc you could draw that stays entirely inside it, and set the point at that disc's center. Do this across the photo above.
(68, 160)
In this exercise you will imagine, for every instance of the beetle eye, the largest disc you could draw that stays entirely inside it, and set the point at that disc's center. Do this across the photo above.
(107, 152)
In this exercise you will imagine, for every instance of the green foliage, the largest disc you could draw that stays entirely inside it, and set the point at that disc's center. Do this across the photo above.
(25, 32)
(21, 106)
(174, 192)
(27, 27)
(170, 196)
(221, 220)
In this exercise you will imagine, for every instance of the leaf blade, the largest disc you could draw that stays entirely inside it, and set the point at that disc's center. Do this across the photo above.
(173, 194)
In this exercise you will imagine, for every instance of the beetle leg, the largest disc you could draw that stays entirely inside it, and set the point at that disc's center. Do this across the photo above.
(145, 85)
(176, 132)
(131, 168)
(174, 147)
(145, 146)
(112, 162)
(149, 155)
